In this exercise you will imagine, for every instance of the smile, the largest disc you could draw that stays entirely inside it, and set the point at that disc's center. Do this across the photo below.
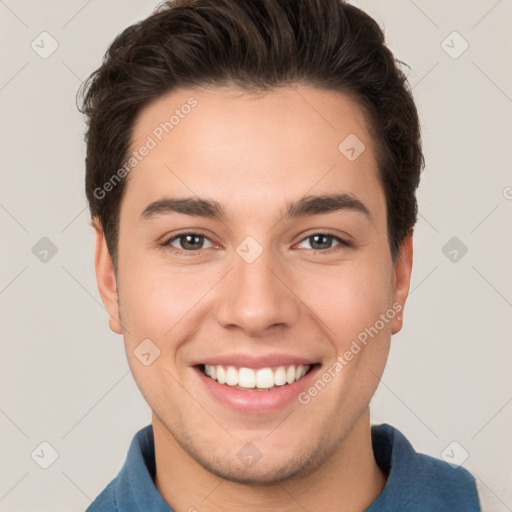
(255, 379)
(255, 383)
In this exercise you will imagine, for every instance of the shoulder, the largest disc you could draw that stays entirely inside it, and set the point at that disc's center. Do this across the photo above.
(134, 479)
(106, 501)
(419, 482)
(448, 485)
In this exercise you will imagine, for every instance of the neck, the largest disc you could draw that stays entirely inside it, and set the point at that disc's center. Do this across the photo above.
(349, 480)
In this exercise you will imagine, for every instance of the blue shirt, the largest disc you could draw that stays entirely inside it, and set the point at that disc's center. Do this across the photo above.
(415, 482)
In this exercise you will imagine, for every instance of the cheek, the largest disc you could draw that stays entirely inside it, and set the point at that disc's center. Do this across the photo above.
(158, 304)
(349, 298)
(155, 298)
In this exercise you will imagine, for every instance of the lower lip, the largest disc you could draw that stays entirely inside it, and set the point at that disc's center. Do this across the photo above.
(257, 402)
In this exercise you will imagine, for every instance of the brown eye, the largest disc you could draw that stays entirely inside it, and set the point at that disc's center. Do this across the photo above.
(187, 242)
(322, 242)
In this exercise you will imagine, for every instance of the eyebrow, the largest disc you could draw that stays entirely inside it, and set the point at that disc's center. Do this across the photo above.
(208, 208)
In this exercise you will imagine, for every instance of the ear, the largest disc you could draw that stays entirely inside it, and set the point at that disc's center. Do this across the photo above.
(402, 279)
(106, 278)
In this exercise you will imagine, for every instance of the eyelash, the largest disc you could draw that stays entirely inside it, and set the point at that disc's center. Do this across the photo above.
(342, 243)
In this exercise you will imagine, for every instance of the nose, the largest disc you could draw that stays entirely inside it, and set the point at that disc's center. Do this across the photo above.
(257, 297)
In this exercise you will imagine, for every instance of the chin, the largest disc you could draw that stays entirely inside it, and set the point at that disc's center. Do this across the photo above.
(262, 473)
(267, 467)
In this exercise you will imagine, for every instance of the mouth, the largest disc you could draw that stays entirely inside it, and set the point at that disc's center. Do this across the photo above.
(255, 383)
(262, 379)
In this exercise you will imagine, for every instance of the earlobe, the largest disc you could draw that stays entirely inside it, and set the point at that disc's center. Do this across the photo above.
(402, 272)
(106, 278)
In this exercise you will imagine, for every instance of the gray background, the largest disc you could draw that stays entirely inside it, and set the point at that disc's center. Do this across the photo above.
(64, 375)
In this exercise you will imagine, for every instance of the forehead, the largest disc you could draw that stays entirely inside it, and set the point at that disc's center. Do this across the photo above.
(252, 150)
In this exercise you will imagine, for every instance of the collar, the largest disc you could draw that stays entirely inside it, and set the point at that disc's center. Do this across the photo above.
(415, 482)
(418, 482)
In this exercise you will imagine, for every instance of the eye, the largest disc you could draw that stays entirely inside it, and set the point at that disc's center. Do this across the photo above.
(322, 242)
(188, 242)
(194, 242)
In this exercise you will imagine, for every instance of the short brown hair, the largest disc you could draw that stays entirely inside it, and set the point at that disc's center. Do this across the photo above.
(253, 45)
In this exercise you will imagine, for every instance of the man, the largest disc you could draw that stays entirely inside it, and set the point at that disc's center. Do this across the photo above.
(251, 175)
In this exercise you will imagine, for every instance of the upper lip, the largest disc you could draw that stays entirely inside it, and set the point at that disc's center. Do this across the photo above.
(252, 361)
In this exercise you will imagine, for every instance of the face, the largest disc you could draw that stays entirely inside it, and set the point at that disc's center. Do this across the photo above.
(257, 293)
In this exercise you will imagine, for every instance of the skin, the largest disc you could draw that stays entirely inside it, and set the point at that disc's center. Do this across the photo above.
(247, 151)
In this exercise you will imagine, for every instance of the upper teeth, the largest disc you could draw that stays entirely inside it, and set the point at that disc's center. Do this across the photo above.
(262, 378)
